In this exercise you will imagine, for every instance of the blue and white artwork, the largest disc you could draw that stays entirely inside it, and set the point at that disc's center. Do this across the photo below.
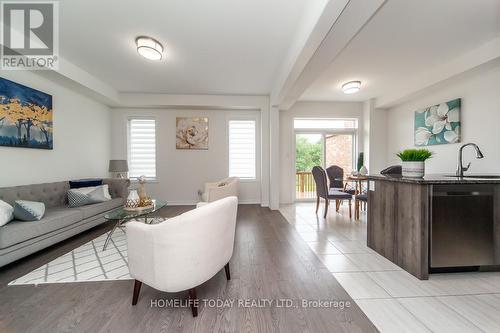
(25, 116)
(438, 124)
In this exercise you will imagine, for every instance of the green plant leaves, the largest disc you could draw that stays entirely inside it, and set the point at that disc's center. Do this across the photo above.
(414, 155)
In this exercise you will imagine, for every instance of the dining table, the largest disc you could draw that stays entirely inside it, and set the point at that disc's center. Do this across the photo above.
(358, 180)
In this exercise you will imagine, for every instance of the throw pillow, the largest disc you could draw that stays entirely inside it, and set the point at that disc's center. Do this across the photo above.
(84, 183)
(6, 213)
(88, 195)
(28, 210)
(99, 194)
(78, 199)
(87, 190)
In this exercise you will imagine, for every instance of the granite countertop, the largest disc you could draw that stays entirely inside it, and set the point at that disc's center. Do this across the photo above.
(439, 179)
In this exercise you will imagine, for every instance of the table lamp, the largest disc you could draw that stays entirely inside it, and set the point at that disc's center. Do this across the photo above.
(120, 167)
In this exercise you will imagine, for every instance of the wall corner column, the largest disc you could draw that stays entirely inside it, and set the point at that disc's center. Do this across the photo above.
(274, 167)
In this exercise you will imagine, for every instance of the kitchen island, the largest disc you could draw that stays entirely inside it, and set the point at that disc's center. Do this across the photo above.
(437, 223)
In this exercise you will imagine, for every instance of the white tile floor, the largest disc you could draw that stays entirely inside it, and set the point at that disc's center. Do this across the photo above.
(394, 300)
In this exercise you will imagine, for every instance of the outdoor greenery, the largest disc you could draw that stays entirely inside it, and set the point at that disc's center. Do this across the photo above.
(414, 155)
(307, 154)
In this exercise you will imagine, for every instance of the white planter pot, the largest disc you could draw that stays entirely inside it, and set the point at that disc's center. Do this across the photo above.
(413, 169)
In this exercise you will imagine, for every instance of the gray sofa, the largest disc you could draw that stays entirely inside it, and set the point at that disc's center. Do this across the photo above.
(19, 239)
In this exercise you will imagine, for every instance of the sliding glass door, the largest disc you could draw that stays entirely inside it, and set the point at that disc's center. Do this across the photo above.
(339, 150)
(309, 151)
(323, 148)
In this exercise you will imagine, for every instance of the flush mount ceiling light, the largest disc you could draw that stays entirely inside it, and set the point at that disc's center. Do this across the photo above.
(149, 48)
(351, 87)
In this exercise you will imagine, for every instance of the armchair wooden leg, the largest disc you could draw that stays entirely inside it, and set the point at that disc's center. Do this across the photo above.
(350, 209)
(193, 299)
(327, 202)
(317, 204)
(228, 273)
(337, 205)
(137, 289)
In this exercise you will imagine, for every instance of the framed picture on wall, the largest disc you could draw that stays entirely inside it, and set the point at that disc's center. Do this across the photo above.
(438, 124)
(25, 116)
(191, 133)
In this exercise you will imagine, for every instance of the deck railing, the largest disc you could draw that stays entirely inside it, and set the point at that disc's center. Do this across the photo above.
(305, 187)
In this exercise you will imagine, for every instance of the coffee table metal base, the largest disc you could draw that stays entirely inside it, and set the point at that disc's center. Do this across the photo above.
(117, 225)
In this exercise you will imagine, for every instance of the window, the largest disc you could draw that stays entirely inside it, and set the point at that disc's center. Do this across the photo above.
(242, 154)
(327, 123)
(142, 148)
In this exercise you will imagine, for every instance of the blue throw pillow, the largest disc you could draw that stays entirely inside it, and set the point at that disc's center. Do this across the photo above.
(85, 183)
(28, 210)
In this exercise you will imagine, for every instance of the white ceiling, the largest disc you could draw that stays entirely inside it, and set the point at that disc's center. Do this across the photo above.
(212, 46)
(404, 39)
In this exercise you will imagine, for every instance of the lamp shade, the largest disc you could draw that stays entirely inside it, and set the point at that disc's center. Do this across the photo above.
(118, 166)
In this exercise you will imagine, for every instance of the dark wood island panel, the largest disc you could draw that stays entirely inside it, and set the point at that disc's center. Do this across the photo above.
(398, 224)
(438, 223)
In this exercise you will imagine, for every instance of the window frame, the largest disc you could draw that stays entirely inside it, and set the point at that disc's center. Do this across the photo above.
(355, 132)
(129, 119)
(326, 129)
(255, 119)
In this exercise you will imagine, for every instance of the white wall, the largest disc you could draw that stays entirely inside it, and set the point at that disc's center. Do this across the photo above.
(81, 138)
(480, 117)
(181, 173)
(287, 135)
(374, 137)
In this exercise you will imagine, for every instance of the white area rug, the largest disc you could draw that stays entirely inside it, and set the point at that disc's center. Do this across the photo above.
(86, 263)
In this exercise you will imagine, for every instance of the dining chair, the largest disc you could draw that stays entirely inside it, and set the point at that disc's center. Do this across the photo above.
(336, 177)
(358, 199)
(322, 191)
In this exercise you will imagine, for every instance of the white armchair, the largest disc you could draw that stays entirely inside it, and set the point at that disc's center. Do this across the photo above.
(184, 251)
(217, 190)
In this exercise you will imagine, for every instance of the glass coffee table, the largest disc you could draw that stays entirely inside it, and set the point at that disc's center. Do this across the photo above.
(121, 215)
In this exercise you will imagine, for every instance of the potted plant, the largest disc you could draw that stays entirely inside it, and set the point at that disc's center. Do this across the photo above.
(414, 161)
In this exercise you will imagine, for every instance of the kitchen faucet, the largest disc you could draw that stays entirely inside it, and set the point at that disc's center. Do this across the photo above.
(460, 167)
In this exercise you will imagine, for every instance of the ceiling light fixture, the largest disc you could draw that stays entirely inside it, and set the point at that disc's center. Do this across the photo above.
(351, 87)
(149, 48)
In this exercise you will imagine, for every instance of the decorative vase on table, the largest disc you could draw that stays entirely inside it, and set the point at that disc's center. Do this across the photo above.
(363, 171)
(413, 169)
(133, 200)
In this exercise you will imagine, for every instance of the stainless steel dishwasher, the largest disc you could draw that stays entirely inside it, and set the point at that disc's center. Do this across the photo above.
(463, 231)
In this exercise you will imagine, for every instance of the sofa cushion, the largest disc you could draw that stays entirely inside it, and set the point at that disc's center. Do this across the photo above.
(51, 194)
(98, 208)
(54, 219)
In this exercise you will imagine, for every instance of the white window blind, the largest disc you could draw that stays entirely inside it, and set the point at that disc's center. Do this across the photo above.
(242, 149)
(142, 148)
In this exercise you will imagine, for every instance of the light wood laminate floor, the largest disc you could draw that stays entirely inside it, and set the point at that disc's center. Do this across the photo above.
(270, 261)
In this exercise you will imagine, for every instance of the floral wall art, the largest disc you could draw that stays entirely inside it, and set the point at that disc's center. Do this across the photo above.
(438, 124)
(192, 133)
